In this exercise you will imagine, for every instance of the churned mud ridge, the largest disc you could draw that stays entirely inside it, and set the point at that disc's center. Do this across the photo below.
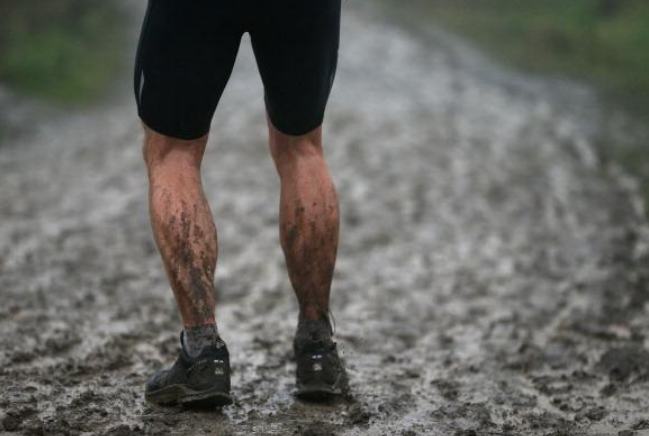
(491, 279)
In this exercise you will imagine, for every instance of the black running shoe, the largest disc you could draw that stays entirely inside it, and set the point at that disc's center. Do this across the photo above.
(320, 374)
(202, 382)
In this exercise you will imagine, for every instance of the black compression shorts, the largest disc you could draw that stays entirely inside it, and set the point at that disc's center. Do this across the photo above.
(187, 50)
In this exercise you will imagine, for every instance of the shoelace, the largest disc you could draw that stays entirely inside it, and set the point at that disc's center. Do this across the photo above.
(332, 322)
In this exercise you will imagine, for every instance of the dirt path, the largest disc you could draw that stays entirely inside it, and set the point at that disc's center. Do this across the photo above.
(492, 280)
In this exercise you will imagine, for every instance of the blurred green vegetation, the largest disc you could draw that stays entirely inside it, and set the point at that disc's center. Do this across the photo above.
(603, 41)
(66, 51)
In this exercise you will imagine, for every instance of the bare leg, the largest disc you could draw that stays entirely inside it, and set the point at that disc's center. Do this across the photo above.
(309, 218)
(182, 223)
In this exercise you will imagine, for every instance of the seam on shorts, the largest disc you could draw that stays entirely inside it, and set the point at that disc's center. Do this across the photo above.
(139, 56)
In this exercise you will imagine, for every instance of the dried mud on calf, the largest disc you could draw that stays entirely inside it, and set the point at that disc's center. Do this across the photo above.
(491, 277)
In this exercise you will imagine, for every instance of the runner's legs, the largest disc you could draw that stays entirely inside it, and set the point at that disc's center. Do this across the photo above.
(185, 57)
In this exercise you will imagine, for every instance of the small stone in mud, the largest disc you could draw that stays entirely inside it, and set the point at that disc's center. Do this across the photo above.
(465, 415)
(23, 357)
(593, 414)
(643, 424)
(12, 421)
(465, 433)
(529, 357)
(318, 429)
(560, 433)
(411, 373)
(608, 390)
(396, 406)
(34, 428)
(447, 388)
(358, 415)
(622, 363)
(390, 358)
(120, 430)
(546, 420)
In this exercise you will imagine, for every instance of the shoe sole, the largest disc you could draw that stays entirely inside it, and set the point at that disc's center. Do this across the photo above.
(320, 391)
(316, 392)
(185, 396)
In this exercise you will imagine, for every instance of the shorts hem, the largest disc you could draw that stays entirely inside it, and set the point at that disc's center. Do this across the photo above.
(157, 128)
(294, 131)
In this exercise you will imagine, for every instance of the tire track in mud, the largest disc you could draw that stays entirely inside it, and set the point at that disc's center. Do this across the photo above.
(491, 277)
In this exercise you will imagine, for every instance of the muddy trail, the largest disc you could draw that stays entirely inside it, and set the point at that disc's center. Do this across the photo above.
(492, 275)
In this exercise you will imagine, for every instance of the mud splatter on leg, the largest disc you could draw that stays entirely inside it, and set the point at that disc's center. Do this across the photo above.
(308, 222)
(184, 229)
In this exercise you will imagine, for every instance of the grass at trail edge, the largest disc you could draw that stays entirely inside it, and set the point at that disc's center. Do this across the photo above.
(602, 42)
(64, 51)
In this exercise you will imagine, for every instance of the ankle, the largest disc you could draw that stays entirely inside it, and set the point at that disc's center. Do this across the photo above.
(196, 338)
(313, 314)
(313, 330)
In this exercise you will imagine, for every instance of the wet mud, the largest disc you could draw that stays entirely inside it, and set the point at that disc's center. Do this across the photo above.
(491, 275)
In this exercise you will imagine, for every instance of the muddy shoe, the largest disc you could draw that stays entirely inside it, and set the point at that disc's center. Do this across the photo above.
(202, 382)
(320, 374)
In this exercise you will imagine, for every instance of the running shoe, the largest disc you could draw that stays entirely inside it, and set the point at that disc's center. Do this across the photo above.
(202, 382)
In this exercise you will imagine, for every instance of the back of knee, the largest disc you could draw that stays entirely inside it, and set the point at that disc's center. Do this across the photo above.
(295, 149)
(160, 150)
